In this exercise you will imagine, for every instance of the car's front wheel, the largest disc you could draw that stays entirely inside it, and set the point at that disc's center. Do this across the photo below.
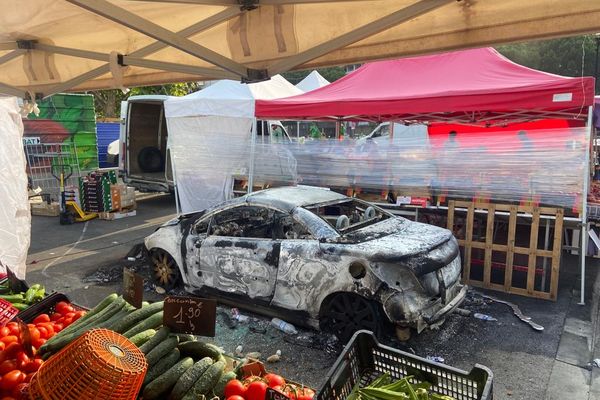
(166, 271)
(346, 313)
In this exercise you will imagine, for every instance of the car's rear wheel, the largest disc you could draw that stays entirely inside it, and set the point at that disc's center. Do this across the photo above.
(346, 313)
(166, 271)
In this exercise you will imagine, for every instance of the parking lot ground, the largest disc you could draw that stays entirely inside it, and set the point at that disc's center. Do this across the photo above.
(85, 261)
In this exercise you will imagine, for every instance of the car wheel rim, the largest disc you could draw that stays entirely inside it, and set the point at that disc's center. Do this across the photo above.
(347, 314)
(165, 270)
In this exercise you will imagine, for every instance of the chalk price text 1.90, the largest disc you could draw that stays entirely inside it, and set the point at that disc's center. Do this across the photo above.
(192, 312)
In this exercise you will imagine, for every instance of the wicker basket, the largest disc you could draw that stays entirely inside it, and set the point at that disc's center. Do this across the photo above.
(100, 365)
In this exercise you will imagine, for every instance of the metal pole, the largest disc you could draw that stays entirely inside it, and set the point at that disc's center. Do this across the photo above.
(586, 179)
(252, 151)
(597, 36)
(177, 205)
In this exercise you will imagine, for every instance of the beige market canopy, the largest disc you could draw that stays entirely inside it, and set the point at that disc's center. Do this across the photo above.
(53, 46)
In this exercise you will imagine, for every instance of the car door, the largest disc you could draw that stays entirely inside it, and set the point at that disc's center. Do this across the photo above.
(239, 254)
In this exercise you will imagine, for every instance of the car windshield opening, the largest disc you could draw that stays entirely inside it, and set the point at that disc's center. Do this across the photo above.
(349, 215)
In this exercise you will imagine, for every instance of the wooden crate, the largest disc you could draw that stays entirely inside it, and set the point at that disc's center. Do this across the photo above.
(509, 250)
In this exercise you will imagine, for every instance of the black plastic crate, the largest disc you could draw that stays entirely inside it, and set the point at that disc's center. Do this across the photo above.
(46, 306)
(364, 359)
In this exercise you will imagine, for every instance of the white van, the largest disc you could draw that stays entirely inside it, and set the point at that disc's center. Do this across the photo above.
(143, 156)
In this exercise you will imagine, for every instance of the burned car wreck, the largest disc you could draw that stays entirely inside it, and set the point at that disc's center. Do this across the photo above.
(314, 256)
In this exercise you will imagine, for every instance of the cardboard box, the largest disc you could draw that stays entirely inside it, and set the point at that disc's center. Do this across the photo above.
(44, 209)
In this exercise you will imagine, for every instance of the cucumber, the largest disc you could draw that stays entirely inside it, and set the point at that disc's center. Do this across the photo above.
(187, 380)
(153, 321)
(161, 350)
(13, 298)
(60, 340)
(206, 382)
(219, 389)
(198, 350)
(20, 306)
(137, 316)
(125, 311)
(142, 337)
(108, 300)
(185, 337)
(162, 366)
(164, 383)
(161, 335)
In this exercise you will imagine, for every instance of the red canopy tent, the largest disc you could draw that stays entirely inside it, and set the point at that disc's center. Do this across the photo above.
(471, 86)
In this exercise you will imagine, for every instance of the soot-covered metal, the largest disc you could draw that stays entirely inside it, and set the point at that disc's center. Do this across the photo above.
(303, 249)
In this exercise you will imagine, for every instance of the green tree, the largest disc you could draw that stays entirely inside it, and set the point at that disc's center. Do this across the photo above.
(572, 56)
(108, 102)
(331, 74)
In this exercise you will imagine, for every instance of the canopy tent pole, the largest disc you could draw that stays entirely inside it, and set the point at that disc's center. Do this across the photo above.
(586, 183)
(252, 151)
(177, 205)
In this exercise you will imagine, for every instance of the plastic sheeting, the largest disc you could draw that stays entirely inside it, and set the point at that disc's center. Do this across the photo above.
(15, 219)
(544, 166)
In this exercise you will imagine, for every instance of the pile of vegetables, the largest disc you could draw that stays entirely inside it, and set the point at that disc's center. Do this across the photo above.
(255, 388)
(22, 300)
(385, 388)
(16, 367)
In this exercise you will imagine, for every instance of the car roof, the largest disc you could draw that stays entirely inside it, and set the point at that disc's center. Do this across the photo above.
(290, 197)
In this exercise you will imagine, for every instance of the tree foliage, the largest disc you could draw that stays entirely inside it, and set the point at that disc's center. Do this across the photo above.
(331, 74)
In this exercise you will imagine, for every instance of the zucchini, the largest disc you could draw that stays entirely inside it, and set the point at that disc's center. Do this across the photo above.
(206, 382)
(153, 321)
(198, 350)
(137, 316)
(162, 366)
(219, 389)
(164, 383)
(161, 335)
(161, 350)
(142, 337)
(187, 380)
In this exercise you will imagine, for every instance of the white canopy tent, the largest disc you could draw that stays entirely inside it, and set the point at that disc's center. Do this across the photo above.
(15, 220)
(211, 138)
(313, 81)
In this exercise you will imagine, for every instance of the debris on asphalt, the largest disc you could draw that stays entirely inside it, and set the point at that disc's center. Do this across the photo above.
(253, 354)
(484, 317)
(463, 312)
(596, 362)
(284, 326)
(238, 351)
(160, 290)
(273, 358)
(106, 274)
(516, 310)
(235, 314)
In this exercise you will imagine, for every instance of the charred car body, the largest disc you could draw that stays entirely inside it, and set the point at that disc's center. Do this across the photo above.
(336, 262)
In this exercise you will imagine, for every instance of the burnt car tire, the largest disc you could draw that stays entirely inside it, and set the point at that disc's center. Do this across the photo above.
(164, 269)
(346, 313)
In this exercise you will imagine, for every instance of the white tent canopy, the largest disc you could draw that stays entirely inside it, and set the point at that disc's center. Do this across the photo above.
(210, 137)
(313, 81)
(49, 47)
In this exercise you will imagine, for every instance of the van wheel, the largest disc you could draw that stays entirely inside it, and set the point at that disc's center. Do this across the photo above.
(151, 160)
(166, 271)
(347, 313)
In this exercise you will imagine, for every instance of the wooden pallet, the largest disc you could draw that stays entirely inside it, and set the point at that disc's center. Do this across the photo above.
(510, 250)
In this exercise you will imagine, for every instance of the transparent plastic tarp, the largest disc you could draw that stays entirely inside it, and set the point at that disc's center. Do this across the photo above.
(543, 166)
(15, 220)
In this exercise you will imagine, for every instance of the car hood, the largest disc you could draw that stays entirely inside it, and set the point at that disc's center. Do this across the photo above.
(423, 248)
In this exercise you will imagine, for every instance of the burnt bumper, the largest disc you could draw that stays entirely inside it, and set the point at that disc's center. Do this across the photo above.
(449, 307)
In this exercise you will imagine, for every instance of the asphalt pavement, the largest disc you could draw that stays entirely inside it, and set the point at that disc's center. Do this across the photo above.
(85, 261)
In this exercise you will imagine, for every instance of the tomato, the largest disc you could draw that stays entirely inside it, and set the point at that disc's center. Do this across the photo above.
(234, 387)
(58, 327)
(2, 346)
(235, 397)
(34, 334)
(256, 390)
(13, 327)
(22, 357)
(305, 393)
(10, 339)
(43, 332)
(78, 314)
(4, 331)
(62, 307)
(20, 391)
(28, 377)
(7, 366)
(7, 398)
(38, 343)
(33, 365)
(10, 352)
(41, 318)
(68, 321)
(56, 316)
(274, 380)
(11, 379)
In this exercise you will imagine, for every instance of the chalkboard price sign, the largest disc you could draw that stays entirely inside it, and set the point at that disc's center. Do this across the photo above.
(190, 315)
(133, 288)
(273, 394)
